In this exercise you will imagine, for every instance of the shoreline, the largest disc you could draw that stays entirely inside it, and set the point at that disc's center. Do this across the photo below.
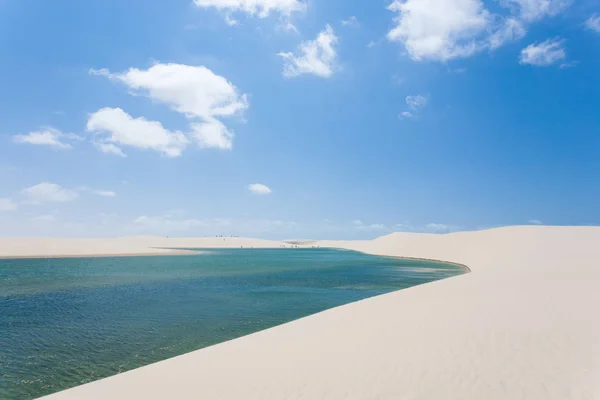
(108, 255)
(518, 328)
(182, 252)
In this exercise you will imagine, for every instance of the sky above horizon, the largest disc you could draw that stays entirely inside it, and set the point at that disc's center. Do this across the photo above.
(297, 119)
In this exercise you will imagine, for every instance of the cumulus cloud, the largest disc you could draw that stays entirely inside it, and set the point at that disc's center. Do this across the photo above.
(593, 23)
(438, 30)
(260, 8)
(121, 129)
(47, 136)
(195, 91)
(543, 54)
(443, 30)
(535, 222)
(316, 57)
(48, 193)
(357, 222)
(202, 96)
(259, 188)
(212, 133)
(7, 205)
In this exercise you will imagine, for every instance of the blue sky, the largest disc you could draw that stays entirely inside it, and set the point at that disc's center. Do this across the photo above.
(292, 119)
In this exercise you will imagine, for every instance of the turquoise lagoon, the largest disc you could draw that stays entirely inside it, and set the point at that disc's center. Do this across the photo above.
(65, 322)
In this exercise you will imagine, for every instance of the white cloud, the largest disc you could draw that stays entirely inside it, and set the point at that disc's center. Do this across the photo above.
(120, 129)
(352, 20)
(531, 10)
(47, 136)
(357, 222)
(416, 102)
(535, 222)
(316, 57)
(593, 23)
(406, 115)
(287, 26)
(194, 91)
(105, 193)
(259, 188)
(261, 8)
(48, 192)
(510, 29)
(443, 30)
(543, 54)
(7, 205)
(110, 148)
(439, 30)
(212, 133)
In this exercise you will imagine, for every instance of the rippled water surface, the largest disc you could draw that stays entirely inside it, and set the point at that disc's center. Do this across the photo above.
(65, 322)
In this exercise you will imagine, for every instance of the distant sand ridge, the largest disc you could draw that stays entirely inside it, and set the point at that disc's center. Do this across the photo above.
(522, 325)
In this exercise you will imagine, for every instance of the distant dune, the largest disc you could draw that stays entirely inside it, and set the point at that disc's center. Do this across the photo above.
(522, 325)
(139, 245)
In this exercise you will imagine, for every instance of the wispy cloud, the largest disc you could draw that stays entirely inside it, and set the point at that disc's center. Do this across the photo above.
(543, 54)
(314, 57)
(48, 136)
(415, 104)
(350, 21)
(593, 23)
(260, 8)
(48, 193)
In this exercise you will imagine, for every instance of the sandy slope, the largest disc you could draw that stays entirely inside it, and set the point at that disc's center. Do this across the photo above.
(523, 325)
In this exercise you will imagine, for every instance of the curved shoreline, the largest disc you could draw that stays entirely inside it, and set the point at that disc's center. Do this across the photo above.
(519, 328)
(420, 259)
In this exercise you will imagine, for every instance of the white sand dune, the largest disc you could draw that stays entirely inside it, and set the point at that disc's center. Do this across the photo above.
(523, 325)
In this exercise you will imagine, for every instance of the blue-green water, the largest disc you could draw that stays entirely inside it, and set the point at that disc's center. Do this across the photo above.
(65, 322)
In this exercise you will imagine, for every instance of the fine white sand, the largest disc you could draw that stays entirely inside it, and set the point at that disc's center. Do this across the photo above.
(523, 325)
